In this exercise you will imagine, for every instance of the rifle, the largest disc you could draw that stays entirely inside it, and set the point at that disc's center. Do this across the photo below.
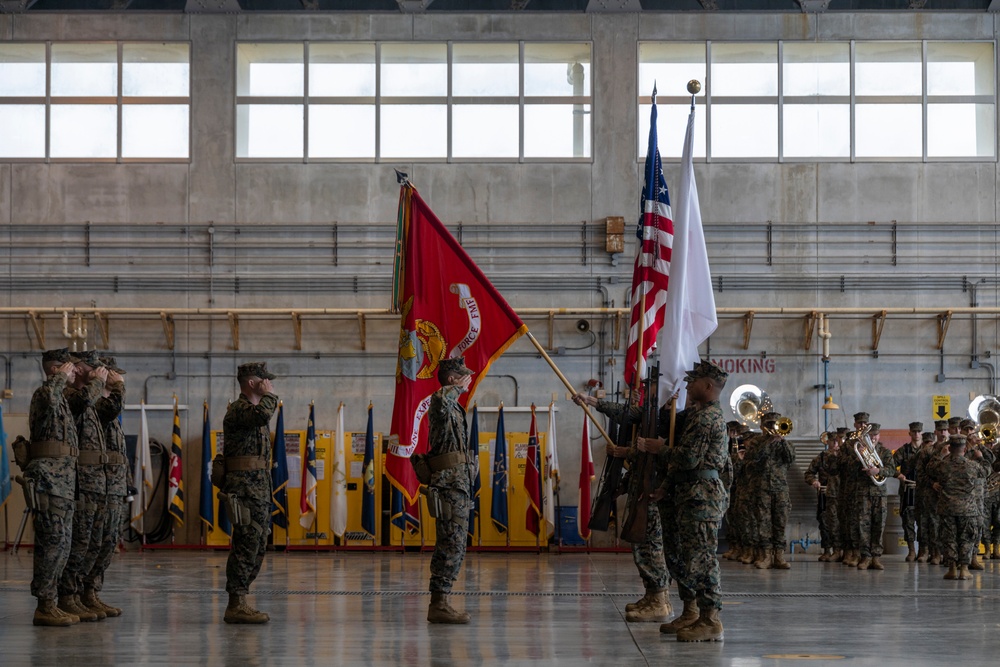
(611, 478)
(643, 468)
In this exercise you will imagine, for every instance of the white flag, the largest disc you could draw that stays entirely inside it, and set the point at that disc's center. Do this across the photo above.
(550, 476)
(142, 473)
(690, 310)
(338, 493)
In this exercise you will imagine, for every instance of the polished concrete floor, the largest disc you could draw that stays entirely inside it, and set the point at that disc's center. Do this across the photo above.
(369, 609)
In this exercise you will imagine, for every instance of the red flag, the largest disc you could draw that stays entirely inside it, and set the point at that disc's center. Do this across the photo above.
(533, 480)
(586, 477)
(651, 272)
(448, 309)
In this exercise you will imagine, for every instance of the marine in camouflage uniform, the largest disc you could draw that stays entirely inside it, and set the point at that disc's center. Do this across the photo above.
(853, 482)
(92, 487)
(53, 475)
(927, 496)
(247, 455)
(734, 541)
(822, 472)
(993, 508)
(696, 465)
(451, 481)
(770, 500)
(747, 473)
(906, 458)
(956, 477)
(982, 453)
(873, 506)
(109, 407)
(648, 555)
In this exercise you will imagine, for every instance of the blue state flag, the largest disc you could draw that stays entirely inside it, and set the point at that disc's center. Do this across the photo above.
(5, 482)
(402, 516)
(476, 476)
(279, 474)
(206, 510)
(498, 510)
(368, 479)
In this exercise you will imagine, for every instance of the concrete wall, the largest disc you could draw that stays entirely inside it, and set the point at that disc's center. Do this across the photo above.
(737, 201)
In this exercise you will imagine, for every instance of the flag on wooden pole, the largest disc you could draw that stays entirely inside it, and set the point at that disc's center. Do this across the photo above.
(338, 491)
(586, 477)
(307, 501)
(279, 473)
(176, 488)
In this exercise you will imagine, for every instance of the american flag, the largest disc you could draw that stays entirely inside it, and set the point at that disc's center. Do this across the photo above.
(652, 263)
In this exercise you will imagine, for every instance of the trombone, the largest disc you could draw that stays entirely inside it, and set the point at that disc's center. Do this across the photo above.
(783, 426)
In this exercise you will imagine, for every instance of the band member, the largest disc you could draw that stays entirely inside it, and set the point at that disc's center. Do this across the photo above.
(851, 479)
(873, 506)
(955, 478)
(771, 503)
(941, 431)
(905, 458)
(927, 495)
(975, 446)
(821, 475)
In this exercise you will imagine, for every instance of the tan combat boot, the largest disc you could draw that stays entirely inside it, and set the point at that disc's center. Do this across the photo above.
(963, 572)
(442, 612)
(922, 554)
(778, 561)
(92, 601)
(911, 553)
(707, 629)
(101, 615)
(852, 558)
(632, 606)
(749, 555)
(993, 551)
(655, 610)
(765, 560)
(838, 556)
(688, 617)
(975, 563)
(865, 563)
(239, 611)
(68, 604)
(877, 564)
(935, 559)
(951, 573)
(48, 614)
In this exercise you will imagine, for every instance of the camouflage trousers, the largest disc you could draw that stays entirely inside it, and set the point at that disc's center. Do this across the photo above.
(910, 521)
(109, 543)
(699, 573)
(871, 524)
(770, 516)
(928, 520)
(648, 555)
(958, 538)
(993, 519)
(53, 541)
(672, 556)
(249, 544)
(88, 532)
(829, 525)
(451, 533)
(847, 519)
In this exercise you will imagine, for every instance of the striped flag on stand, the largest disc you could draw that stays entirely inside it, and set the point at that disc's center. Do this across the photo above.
(368, 479)
(533, 482)
(652, 263)
(176, 489)
(477, 484)
(307, 501)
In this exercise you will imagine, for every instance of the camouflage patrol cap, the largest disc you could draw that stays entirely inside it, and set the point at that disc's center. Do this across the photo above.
(966, 423)
(706, 369)
(928, 436)
(940, 424)
(112, 365)
(60, 355)
(732, 424)
(955, 421)
(254, 369)
(841, 430)
(744, 428)
(875, 428)
(916, 426)
(770, 417)
(861, 417)
(957, 441)
(90, 358)
(454, 365)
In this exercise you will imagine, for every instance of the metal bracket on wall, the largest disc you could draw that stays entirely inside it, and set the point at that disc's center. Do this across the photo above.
(363, 330)
(234, 329)
(297, 326)
(944, 321)
(39, 326)
(810, 329)
(878, 321)
(168, 328)
(747, 328)
(104, 326)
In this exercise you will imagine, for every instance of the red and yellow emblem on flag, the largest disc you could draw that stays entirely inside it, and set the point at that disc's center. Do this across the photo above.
(448, 309)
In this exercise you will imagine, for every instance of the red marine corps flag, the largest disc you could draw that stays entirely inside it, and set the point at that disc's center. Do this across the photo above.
(448, 308)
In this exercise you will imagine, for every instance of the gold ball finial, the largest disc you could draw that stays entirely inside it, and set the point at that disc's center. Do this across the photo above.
(694, 86)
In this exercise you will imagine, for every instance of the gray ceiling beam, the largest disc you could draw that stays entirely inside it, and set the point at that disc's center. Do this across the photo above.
(212, 7)
(604, 6)
(413, 6)
(15, 6)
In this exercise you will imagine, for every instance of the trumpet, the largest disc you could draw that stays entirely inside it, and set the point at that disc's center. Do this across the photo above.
(782, 427)
(864, 449)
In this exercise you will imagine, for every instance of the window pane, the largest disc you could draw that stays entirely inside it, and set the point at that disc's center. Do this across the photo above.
(84, 131)
(816, 69)
(84, 70)
(155, 70)
(959, 68)
(669, 67)
(414, 130)
(484, 130)
(342, 70)
(745, 130)
(557, 70)
(888, 130)
(749, 69)
(817, 130)
(29, 140)
(269, 130)
(671, 125)
(22, 70)
(342, 131)
(887, 68)
(557, 130)
(414, 70)
(155, 131)
(960, 130)
(484, 69)
(274, 70)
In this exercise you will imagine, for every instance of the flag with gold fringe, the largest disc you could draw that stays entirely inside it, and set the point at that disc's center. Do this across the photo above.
(176, 489)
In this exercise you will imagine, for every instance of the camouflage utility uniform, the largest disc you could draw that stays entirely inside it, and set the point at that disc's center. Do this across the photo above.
(118, 474)
(823, 469)
(958, 506)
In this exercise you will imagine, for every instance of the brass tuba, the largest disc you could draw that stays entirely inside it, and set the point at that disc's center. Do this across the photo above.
(749, 403)
(783, 426)
(864, 449)
(985, 410)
